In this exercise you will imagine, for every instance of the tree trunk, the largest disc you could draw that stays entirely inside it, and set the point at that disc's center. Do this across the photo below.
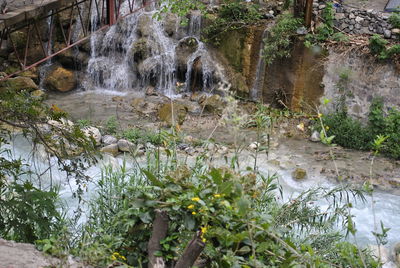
(298, 8)
(191, 253)
(159, 232)
(308, 13)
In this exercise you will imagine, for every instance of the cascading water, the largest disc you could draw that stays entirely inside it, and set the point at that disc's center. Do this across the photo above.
(256, 89)
(138, 52)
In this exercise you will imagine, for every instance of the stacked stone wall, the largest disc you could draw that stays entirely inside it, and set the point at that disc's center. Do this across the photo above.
(357, 21)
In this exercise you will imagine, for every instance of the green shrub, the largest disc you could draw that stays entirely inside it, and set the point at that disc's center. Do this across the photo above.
(377, 44)
(111, 126)
(394, 20)
(351, 133)
(132, 134)
(279, 41)
(26, 212)
(348, 132)
(231, 16)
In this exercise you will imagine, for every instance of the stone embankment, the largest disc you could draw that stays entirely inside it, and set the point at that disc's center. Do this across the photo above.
(357, 21)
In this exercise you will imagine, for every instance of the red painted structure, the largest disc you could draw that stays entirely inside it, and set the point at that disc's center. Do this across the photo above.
(29, 17)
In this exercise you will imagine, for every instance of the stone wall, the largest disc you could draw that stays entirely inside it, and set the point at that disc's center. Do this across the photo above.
(356, 21)
(367, 79)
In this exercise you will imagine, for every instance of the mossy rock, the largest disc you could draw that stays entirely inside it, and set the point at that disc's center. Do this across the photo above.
(172, 113)
(60, 79)
(18, 83)
(299, 174)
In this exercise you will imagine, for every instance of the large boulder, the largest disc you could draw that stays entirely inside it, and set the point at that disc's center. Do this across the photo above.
(72, 59)
(60, 79)
(143, 26)
(214, 104)
(172, 113)
(108, 139)
(111, 149)
(125, 145)
(18, 83)
(144, 106)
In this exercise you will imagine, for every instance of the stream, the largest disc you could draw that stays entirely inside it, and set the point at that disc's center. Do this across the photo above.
(386, 208)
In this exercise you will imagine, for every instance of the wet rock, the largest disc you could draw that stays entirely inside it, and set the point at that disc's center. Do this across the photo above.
(110, 149)
(93, 132)
(172, 113)
(143, 26)
(151, 91)
(198, 96)
(299, 174)
(214, 104)
(170, 23)
(125, 145)
(108, 139)
(117, 99)
(60, 79)
(18, 84)
(70, 58)
(143, 106)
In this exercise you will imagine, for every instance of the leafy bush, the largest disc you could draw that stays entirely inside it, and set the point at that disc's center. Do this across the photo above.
(279, 41)
(111, 126)
(351, 133)
(231, 16)
(235, 216)
(26, 212)
(132, 134)
(348, 132)
(325, 31)
(378, 47)
(394, 20)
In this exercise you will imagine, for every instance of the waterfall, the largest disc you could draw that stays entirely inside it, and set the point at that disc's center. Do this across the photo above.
(195, 24)
(44, 69)
(139, 51)
(256, 89)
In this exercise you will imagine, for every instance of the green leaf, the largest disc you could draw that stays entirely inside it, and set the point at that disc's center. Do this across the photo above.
(243, 205)
(189, 222)
(216, 176)
(152, 178)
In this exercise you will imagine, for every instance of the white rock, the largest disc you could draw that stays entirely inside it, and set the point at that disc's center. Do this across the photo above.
(92, 132)
(108, 139)
(315, 136)
(254, 145)
(359, 19)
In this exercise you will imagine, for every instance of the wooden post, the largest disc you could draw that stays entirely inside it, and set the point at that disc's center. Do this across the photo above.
(308, 13)
(111, 12)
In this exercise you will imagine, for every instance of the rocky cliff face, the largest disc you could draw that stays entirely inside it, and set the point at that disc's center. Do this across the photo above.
(366, 79)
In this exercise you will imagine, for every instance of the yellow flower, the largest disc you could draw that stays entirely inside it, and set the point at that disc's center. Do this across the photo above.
(113, 258)
(193, 213)
(123, 258)
(203, 229)
(319, 115)
(204, 240)
(327, 127)
(195, 199)
(217, 195)
(190, 206)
